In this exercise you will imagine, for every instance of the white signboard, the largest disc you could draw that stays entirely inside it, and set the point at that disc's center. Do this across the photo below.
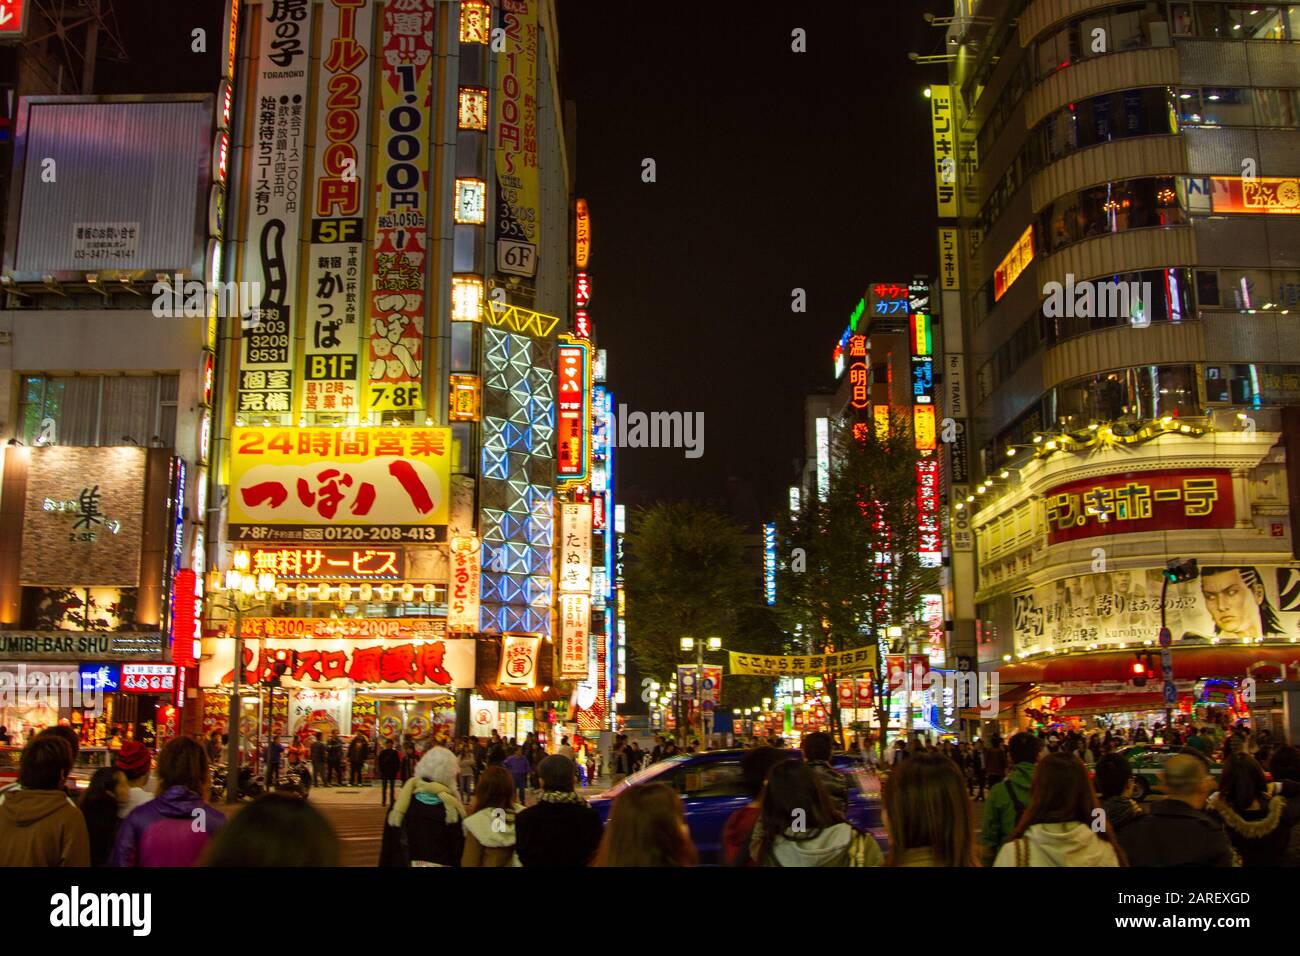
(275, 189)
(463, 586)
(575, 548)
(575, 627)
(104, 243)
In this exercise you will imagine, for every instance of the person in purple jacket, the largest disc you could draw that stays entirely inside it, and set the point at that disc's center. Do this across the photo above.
(174, 827)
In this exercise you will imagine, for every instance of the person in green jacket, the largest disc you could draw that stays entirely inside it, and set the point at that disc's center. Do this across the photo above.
(1008, 799)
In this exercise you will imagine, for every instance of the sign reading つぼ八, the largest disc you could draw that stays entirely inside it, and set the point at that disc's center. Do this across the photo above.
(339, 484)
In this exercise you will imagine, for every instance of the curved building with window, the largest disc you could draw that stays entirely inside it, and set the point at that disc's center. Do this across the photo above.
(1120, 263)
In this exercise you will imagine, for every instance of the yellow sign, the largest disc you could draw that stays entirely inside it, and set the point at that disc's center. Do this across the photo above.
(769, 665)
(1016, 262)
(923, 427)
(465, 392)
(949, 264)
(582, 235)
(945, 150)
(518, 197)
(325, 485)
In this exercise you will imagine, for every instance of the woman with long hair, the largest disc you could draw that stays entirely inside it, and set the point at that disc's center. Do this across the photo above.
(798, 824)
(173, 828)
(647, 827)
(1056, 828)
(107, 792)
(1259, 822)
(929, 815)
(490, 826)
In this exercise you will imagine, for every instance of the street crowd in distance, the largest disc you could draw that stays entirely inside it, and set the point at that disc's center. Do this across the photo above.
(1225, 797)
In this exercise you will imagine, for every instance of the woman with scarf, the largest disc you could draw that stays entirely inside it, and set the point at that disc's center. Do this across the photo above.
(428, 811)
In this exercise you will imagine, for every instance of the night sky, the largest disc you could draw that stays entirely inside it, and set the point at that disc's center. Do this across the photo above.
(775, 170)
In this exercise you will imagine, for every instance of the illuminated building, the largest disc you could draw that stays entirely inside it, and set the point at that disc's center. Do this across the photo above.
(1118, 195)
(109, 361)
(404, 368)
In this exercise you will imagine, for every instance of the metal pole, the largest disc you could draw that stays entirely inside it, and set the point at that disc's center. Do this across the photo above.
(232, 745)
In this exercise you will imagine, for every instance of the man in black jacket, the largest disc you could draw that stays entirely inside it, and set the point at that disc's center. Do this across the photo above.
(358, 752)
(389, 762)
(317, 756)
(561, 829)
(817, 751)
(1177, 831)
(335, 755)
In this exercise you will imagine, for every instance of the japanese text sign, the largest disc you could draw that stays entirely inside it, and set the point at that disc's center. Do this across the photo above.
(1139, 503)
(328, 484)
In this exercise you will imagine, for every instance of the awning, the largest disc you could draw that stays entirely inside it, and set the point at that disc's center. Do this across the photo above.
(525, 695)
(1190, 663)
(1081, 704)
(1009, 695)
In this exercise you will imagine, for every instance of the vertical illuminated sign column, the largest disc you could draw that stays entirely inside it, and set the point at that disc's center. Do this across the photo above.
(924, 425)
(336, 260)
(274, 186)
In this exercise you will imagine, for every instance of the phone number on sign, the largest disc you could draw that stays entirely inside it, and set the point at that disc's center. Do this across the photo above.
(263, 532)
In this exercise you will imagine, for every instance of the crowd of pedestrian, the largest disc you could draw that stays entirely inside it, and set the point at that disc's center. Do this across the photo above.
(493, 803)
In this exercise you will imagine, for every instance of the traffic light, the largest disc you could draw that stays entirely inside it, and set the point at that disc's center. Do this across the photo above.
(1176, 572)
(282, 659)
(1140, 672)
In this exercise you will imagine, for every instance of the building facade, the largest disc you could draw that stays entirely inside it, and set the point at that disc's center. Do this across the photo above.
(1118, 186)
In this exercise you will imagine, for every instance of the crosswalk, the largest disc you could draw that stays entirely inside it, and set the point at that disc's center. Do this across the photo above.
(360, 828)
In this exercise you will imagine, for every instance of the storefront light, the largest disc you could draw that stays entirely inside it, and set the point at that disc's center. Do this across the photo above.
(303, 592)
(365, 592)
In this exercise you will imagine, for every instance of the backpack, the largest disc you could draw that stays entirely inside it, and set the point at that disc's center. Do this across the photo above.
(1015, 801)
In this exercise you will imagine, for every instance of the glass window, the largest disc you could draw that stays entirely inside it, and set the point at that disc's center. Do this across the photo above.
(1209, 21)
(1276, 107)
(1245, 289)
(1292, 17)
(1096, 398)
(1229, 384)
(1222, 106)
(1207, 288)
(1253, 21)
(1166, 390)
(1181, 16)
(462, 346)
(1188, 104)
(87, 410)
(1054, 52)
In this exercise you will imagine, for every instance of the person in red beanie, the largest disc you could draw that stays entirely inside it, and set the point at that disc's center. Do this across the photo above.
(133, 760)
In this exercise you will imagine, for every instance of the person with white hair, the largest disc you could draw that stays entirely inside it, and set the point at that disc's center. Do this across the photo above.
(429, 811)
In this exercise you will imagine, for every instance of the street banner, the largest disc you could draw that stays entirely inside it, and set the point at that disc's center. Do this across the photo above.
(518, 204)
(398, 274)
(339, 484)
(766, 665)
(463, 586)
(336, 257)
(711, 685)
(519, 659)
(275, 183)
(575, 628)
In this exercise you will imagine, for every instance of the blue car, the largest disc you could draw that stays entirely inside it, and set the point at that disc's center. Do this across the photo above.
(712, 788)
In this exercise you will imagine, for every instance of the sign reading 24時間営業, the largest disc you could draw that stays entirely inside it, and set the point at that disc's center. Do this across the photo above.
(339, 484)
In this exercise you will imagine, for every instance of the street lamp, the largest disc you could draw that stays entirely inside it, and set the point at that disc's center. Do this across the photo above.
(691, 644)
(243, 591)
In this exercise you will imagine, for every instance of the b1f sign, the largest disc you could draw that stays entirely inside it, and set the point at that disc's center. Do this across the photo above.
(13, 19)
